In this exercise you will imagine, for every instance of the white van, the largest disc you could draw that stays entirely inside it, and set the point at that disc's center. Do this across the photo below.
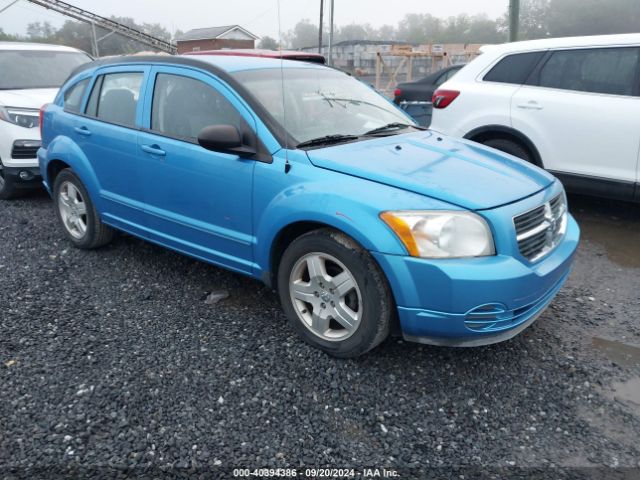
(31, 75)
(570, 105)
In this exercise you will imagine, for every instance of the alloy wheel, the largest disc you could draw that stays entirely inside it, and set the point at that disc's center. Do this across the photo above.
(73, 210)
(325, 296)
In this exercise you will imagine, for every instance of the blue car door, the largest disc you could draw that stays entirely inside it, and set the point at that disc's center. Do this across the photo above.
(107, 135)
(198, 201)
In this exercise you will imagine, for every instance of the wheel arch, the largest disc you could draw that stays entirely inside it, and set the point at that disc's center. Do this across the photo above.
(488, 132)
(54, 167)
(289, 233)
(63, 151)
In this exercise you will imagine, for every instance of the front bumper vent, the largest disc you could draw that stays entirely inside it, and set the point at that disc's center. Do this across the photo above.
(25, 149)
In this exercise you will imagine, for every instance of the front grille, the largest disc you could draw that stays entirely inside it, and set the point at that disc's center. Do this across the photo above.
(23, 149)
(539, 231)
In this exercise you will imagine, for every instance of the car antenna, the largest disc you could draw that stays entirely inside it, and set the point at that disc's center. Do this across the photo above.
(287, 165)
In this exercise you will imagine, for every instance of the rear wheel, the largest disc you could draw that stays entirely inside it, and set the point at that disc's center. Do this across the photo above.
(334, 294)
(509, 146)
(77, 214)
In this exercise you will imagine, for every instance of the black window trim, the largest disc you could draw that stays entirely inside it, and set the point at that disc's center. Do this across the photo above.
(152, 91)
(488, 70)
(99, 80)
(262, 154)
(534, 78)
(147, 61)
(81, 107)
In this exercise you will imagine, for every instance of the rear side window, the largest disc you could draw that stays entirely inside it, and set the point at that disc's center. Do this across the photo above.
(183, 106)
(114, 98)
(598, 70)
(74, 95)
(514, 68)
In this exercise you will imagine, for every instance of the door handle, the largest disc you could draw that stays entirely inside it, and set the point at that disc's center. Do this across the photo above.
(83, 131)
(531, 105)
(153, 150)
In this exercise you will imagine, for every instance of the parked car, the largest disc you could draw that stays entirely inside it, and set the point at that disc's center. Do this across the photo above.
(31, 76)
(322, 189)
(415, 97)
(570, 105)
(264, 53)
(422, 90)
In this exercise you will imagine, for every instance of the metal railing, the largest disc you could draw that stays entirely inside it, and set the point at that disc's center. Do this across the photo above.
(106, 23)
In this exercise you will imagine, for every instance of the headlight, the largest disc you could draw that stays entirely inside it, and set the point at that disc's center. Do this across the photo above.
(441, 234)
(23, 117)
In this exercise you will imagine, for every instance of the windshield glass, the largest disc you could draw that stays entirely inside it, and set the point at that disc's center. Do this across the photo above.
(319, 102)
(37, 69)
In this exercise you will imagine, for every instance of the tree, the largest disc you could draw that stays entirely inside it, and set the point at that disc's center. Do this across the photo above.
(483, 30)
(268, 43)
(6, 36)
(304, 34)
(353, 31)
(593, 17)
(385, 32)
(40, 31)
(534, 20)
(419, 28)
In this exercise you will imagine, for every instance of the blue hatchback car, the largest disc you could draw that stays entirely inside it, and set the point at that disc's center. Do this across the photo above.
(305, 178)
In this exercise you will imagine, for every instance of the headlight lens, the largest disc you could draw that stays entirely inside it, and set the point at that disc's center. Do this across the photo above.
(23, 117)
(441, 234)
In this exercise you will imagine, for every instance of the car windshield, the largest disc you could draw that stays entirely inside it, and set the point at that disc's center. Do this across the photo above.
(37, 69)
(319, 102)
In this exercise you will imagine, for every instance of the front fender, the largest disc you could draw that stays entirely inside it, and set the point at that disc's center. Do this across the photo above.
(346, 203)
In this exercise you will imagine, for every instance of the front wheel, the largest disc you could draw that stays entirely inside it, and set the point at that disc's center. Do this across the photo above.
(510, 147)
(77, 214)
(8, 188)
(334, 294)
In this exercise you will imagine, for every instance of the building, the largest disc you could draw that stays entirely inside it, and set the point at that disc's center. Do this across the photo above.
(360, 57)
(216, 38)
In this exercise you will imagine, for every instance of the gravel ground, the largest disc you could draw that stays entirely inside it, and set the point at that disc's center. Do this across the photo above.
(112, 364)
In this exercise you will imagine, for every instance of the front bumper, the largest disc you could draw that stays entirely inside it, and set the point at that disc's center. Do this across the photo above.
(23, 177)
(475, 301)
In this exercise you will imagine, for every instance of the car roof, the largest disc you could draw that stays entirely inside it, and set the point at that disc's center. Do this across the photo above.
(216, 63)
(36, 47)
(564, 42)
(258, 52)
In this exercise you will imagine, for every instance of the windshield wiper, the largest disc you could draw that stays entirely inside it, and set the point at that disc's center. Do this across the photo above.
(393, 126)
(327, 140)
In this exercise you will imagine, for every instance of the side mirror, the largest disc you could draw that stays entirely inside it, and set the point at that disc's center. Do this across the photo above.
(224, 139)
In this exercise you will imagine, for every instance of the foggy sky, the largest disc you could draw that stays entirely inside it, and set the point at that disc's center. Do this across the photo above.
(258, 16)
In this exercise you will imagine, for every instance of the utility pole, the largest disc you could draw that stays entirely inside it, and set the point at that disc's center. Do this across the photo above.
(330, 59)
(320, 29)
(514, 20)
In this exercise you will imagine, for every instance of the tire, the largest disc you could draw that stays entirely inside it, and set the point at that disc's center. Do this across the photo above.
(77, 214)
(510, 147)
(350, 290)
(8, 188)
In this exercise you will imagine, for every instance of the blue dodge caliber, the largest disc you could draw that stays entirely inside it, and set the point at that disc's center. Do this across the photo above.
(305, 178)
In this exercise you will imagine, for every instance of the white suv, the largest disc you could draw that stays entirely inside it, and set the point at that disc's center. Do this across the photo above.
(31, 75)
(570, 105)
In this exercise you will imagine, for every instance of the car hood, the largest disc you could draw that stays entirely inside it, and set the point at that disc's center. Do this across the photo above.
(27, 98)
(459, 172)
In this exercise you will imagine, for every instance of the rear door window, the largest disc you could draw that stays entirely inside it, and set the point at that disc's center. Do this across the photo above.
(183, 106)
(598, 70)
(115, 96)
(514, 68)
(74, 95)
